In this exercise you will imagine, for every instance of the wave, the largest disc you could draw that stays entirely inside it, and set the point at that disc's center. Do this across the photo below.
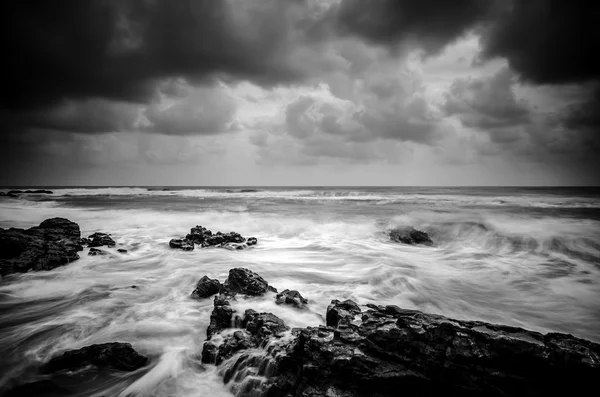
(379, 197)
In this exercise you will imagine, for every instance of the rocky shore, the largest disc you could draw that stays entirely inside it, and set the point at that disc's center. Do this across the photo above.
(203, 237)
(359, 350)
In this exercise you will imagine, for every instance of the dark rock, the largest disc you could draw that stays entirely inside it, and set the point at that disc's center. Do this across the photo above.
(55, 242)
(122, 250)
(244, 281)
(14, 192)
(182, 244)
(262, 326)
(41, 388)
(292, 297)
(118, 356)
(251, 241)
(95, 251)
(39, 191)
(205, 238)
(206, 287)
(84, 241)
(239, 340)
(341, 313)
(410, 235)
(199, 234)
(392, 350)
(221, 316)
(99, 239)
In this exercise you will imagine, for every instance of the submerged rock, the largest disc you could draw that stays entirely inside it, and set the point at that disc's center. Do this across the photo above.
(391, 350)
(55, 242)
(116, 355)
(291, 297)
(122, 250)
(205, 238)
(206, 287)
(182, 244)
(410, 235)
(99, 239)
(95, 251)
(246, 282)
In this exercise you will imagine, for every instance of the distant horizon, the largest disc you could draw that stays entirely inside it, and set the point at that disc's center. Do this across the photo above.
(287, 186)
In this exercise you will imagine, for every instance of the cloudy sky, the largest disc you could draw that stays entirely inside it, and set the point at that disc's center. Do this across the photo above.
(300, 92)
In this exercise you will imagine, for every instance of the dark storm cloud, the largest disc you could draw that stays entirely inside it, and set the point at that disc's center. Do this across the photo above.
(119, 49)
(430, 23)
(547, 41)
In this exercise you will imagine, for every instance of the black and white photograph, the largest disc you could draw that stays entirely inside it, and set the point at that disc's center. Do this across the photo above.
(299, 198)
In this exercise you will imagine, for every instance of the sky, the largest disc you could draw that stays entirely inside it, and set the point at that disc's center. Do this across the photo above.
(300, 92)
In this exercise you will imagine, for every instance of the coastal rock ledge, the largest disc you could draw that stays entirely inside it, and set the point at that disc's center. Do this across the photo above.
(388, 351)
(55, 242)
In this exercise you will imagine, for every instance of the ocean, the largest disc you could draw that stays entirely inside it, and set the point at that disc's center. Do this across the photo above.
(527, 257)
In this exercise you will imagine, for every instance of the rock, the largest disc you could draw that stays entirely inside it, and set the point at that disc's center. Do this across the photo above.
(410, 236)
(206, 287)
(182, 244)
(205, 238)
(251, 241)
(95, 251)
(221, 316)
(122, 250)
(198, 234)
(341, 313)
(292, 297)
(213, 354)
(84, 241)
(99, 239)
(116, 355)
(14, 192)
(244, 281)
(55, 242)
(41, 388)
(262, 326)
(392, 349)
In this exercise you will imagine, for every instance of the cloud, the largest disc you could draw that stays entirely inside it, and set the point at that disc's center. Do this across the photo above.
(486, 103)
(546, 41)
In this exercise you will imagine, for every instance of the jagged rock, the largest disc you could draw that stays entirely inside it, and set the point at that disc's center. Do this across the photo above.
(220, 317)
(206, 287)
(84, 241)
(251, 241)
(410, 235)
(99, 239)
(205, 238)
(223, 238)
(339, 313)
(292, 297)
(55, 242)
(95, 251)
(245, 281)
(262, 325)
(199, 234)
(392, 350)
(122, 250)
(213, 354)
(182, 244)
(116, 355)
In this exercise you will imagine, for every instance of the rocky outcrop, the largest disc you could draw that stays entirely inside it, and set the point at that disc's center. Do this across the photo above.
(206, 287)
(410, 235)
(203, 237)
(15, 193)
(221, 316)
(99, 239)
(55, 242)
(291, 297)
(246, 282)
(182, 244)
(387, 350)
(96, 251)
(117, 356)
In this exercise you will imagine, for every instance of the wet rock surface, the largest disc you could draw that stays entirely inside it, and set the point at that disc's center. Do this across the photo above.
(411, 236)
(199, 235)
(55, 242)
(387, 350)
(99, 239)
(182, 244)
(246, 282)
(116, 355)
(291, 297)
(206, 287)
(95, 252)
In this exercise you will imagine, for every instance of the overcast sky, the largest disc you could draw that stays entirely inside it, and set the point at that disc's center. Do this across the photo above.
(300, 92)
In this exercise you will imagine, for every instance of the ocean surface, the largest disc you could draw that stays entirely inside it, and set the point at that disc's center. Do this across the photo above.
(527, 257)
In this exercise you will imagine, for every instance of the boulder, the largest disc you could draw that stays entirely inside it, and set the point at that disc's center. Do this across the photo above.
(291, 297)
(198, 234)
(251, 241)
(239, 340)
(246, 282)
(341, 313)
(391, 349)
(122, 250)
(55, 242)
(262, 326)
(205, 238)
(99, 239)
(206, 287)
(116, 355)
(221, 316)
(410, 235)
(95, 251)
(182, 244)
